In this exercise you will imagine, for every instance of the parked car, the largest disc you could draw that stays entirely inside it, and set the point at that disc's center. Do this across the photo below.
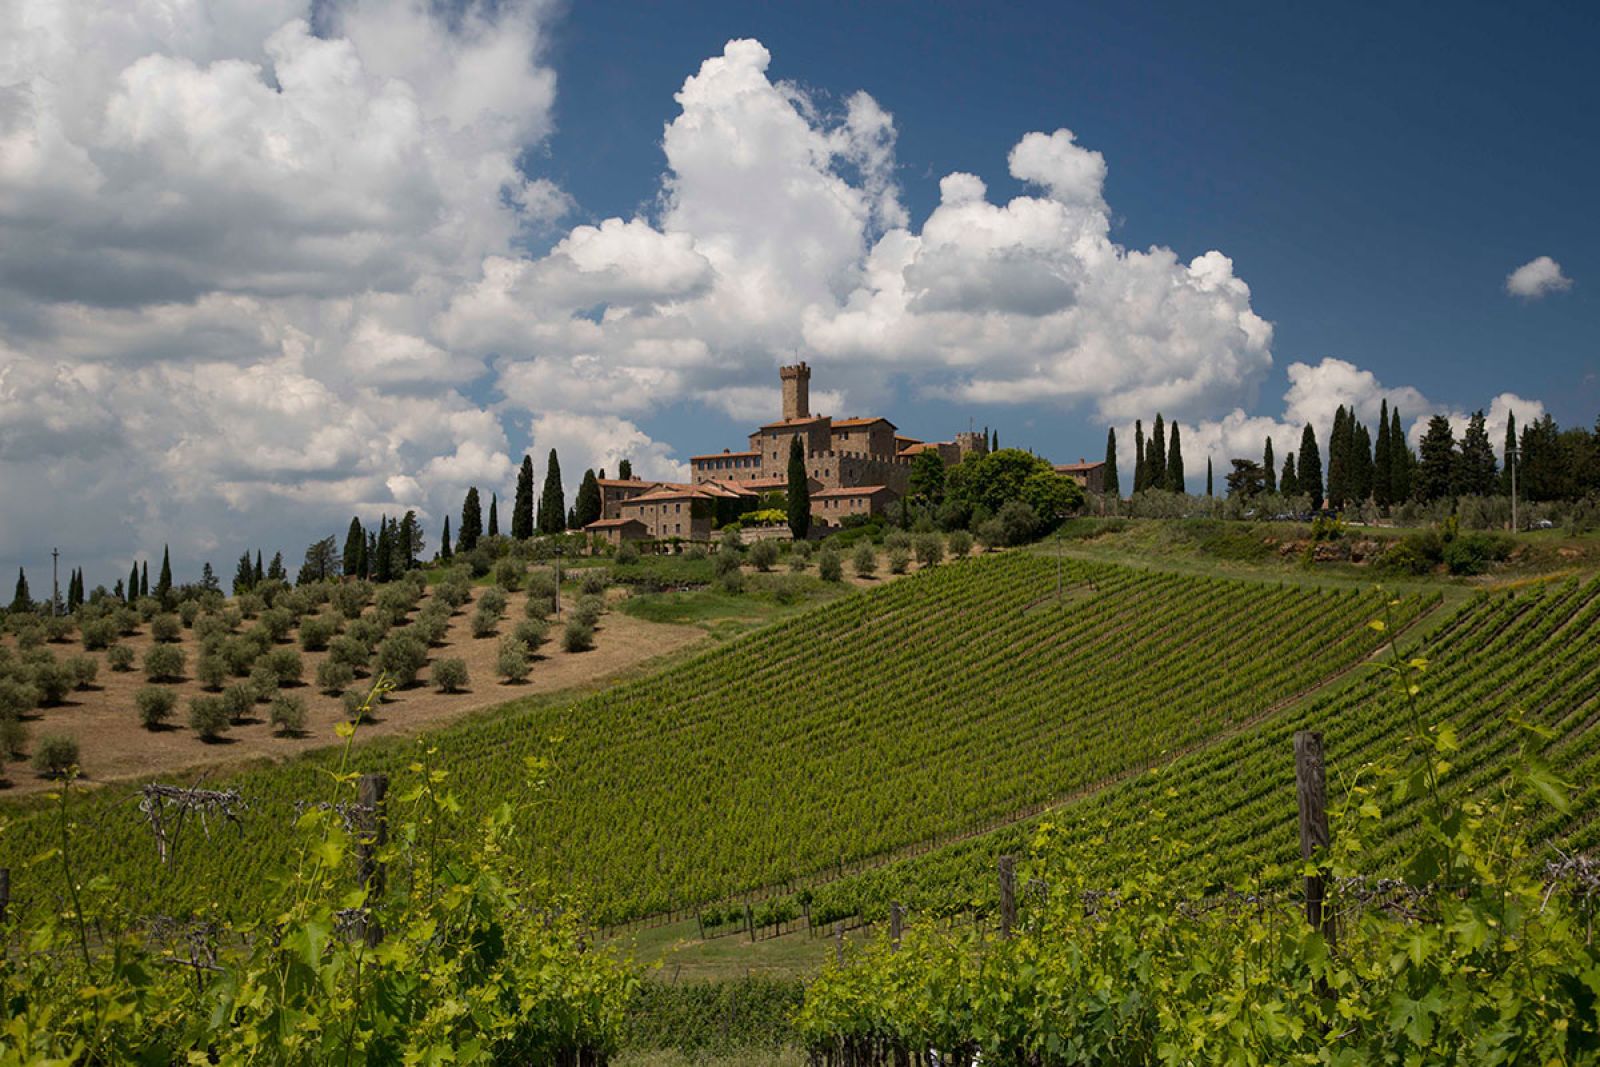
(1542, 524)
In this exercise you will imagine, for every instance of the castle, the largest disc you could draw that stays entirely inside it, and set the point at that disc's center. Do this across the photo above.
(854, 466)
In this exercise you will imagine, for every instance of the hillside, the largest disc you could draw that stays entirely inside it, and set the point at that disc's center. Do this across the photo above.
(967, 694)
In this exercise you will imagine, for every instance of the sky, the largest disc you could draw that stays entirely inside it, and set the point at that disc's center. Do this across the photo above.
(268, 264)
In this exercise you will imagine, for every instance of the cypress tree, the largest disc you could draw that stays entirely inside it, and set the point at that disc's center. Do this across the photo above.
(444, 542)
(1156, 466)
(625, 470)
(1476, 473)
(471, 522)
(1399, 460)
(1510, 446)
(586, 508)
(1308, 476)
(276, 569)
(799, 492)
(1209, 489)
(208, 578)
(369, 553)
(144, 579)
(409, 542)
(1361, 468)
(22, 600)
(1437, 469)
(354, 539)
(1112, 488)
(1271, 469)
(72, 591)
(1338, 460)
(572, 518)
(244, 578)
(260, 575)
(494, 515)
(1141, 474)
(1381, 462)
(522, 505)
(133, 583)
(164, 583)
(1175, 476)
(1289, 481)
(383, 558)
(552, 503)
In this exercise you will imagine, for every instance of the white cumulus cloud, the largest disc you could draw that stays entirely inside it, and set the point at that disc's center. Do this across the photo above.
(1537, 277)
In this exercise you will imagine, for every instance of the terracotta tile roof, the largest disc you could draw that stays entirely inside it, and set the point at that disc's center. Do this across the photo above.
(861, 421)
(781, 423)
(921, 446)
(902, 440)
(724, 454)
(725, 488)
(1079, 467)
(851, 490)
(625, 483)
(667, 493)
(606, 524)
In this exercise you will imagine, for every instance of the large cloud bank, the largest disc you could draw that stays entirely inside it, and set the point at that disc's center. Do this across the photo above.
(260, 262)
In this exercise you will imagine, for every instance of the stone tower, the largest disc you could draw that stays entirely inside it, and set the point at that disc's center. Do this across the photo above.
(970, 442)
(796, 391)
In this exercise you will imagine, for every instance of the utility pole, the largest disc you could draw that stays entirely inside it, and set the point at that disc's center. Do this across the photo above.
(55, 581)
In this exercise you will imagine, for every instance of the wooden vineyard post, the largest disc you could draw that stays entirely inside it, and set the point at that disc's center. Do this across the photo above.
(897, 916)
(838, 942)
(5, 892)
(750, 921)
(1008, 895)
(372, 833)
(1311, 791)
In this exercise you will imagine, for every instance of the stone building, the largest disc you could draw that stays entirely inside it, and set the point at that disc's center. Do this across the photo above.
(1092, 476)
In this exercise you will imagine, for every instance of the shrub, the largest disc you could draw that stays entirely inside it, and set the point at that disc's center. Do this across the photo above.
(897, 539)
(593, 583)
(212, 671)
(450, 675)
(53, 681)
(97, 634)
(453, 591)
(1018, 522)
(208, 717)
(1472, 553)
(316, 632)
(263, 683)
(899, 561)
(13, 739)
(865, 560)
(484, 622)
(512, 660)
(166, 628)
(57, 628)
(334, 677)
(991, 535)
(628, 554)
(155, 705)
(431, 627)
(55, 756)
(764, 555)
(732, 582)
(401, 656)
(17, 698)
(508, 574)
(84, 670)
(732, 539)
(531, 634)
(960, 543)
(207, 627)
(238, 700)
(286, 664)
(693, 552)
(577, 637)
(802, 549)
(725, 564)
(366, 631)
(829, 567)
(354, 702)
(350, 652)
(350, 598)
(493, 600)
(250, 605)
(120, 657)
(929, 549)
(588, 610)
(287, 714)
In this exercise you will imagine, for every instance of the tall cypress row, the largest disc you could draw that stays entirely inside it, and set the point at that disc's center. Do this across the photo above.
(522, 505)
(494, 515)
(1175, 476)
(1308, 476)
(1381, 462)
(1111, 486)
(1268, 465)
(260, 574)
(1156, 465)
(552, 504)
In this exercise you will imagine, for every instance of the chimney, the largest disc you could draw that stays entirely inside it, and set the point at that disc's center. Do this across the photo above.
(796, 391)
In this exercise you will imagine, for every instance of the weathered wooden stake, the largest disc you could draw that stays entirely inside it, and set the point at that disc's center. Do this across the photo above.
(372, 833)
(897, 916)
(1008, 895)
(1311, 790)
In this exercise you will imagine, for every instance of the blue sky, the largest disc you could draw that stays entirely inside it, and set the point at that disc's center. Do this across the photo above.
(1374, 175)
(265, 264)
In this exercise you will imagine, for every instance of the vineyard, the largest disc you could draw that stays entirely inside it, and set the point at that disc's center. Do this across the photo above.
(1534, 654)
(934, 706)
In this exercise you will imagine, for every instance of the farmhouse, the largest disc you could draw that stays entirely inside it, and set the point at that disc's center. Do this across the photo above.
(1092, 476)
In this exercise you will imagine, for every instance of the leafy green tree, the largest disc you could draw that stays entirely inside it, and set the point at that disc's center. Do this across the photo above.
(586, 508)
(1437, 461)
(494, 515)
(1309, 475)
(1141, 475)
(1174, 472)
(552, 502)
(409, 542)
(1476, 471)
(22, 600)
(798, 495)
(1247, 479)
(926, 480)
(625, 470)
(522, 503)
(1382, 461)
(164, 584)
(321, 562)
(1052, 496)
(354, 541)
(1156, 463)
(1269, 467)
(471, 522)
(1112, 487)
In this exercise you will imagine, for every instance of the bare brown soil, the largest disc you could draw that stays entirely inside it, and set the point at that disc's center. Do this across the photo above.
(113, 745)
